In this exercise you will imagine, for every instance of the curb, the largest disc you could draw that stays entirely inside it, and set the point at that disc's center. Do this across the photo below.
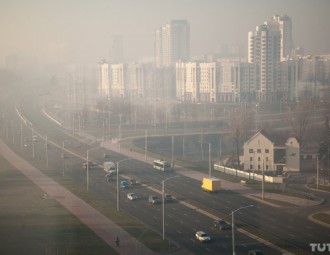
(310, 217)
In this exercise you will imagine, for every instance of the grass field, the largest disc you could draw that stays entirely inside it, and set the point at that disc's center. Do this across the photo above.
(31, 224)
(324, 217)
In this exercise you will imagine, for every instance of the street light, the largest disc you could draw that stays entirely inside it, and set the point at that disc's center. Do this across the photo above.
(63, 154)
(163, 194)
(210, 154)
(233, 225)
(263, 178)
(117, 164)
(87, 164)
(172, 151)
(145, 143)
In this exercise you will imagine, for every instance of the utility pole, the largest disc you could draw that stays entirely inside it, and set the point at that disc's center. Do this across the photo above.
(263, 179)
(145, 144)
(172, 151)
(47, 150)
(210, 167)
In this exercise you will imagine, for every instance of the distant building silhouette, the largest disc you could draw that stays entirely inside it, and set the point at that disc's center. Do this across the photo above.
(117, 50)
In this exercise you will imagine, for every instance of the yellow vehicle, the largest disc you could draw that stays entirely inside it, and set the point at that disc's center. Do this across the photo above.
(211, 184)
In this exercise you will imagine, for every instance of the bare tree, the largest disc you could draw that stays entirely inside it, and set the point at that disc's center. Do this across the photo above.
(324, 146)
(299, 119)
(240, 123)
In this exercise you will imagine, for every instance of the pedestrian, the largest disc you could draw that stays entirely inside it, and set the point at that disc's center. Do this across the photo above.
(117, 241)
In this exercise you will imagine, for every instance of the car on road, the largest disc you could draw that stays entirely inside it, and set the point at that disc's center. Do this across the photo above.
(168, 198)
(222, 225)
(106, 155)
(132, 196)
(202, 236)
(35, 138)
(124, 184)
(108, 177)
(154, 200)
(90, 165)
(132, 181)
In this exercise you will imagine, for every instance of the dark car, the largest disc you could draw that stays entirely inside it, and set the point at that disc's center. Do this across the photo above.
(108, 177)
(222, 225)
(168, 198)
(90, 165)
(255, 252)
(154, 200)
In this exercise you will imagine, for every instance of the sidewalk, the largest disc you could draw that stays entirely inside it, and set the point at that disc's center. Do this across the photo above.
(106, 229)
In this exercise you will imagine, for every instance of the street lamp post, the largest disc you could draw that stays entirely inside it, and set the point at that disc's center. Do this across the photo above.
(233, 225)
(263, 179)
(32, 143)
(117, 164)
(163, 198)
(145, 143)
(47, 150)
(210, 155)
(172, 151)
(317, 171)
(63, 154)
(210, 167)
(87, 178)
(87, 165)
(63, 157)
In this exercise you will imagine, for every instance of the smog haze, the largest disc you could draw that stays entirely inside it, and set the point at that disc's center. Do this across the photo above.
(82, 31)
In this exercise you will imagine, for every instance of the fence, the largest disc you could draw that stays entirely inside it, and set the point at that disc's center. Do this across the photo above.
(248, 175)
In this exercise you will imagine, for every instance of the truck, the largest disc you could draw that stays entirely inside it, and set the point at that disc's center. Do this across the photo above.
(211, 184)
(109, 167)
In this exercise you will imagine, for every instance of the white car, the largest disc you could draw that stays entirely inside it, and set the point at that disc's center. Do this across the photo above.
(132, 196)
(202, 237)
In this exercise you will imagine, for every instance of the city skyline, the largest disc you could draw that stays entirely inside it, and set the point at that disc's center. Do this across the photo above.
(82, 31)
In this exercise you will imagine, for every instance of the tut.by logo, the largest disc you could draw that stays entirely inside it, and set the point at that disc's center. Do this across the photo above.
(320, 247)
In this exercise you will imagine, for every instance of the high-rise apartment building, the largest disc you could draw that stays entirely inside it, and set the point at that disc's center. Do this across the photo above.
(283, 24)
(172, 43)
(208, 82)
(118, 77)
(104, 84)
(264, 51)
(268, 46)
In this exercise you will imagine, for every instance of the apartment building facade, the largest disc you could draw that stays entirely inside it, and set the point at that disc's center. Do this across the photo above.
(103, 79)
(172, 43)
(211, 82)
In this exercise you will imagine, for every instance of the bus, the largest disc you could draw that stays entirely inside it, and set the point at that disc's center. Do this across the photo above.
(162, 165)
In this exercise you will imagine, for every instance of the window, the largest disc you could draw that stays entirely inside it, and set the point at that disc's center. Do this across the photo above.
(266, 150)
(251, 159)
(258, 158)
(258, 150)
(251, 166)
(250, 150)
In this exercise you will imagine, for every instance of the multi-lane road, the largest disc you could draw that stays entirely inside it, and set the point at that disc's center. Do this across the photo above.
(286, 225)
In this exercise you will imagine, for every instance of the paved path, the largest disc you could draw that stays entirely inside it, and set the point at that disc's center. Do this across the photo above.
(97, 222)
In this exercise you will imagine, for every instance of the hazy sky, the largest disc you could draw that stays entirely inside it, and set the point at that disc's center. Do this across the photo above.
(82, 30)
